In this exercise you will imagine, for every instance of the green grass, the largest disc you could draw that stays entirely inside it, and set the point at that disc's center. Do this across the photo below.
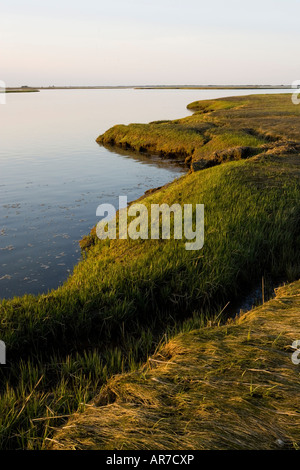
(125, 295)
(255, 121)
(223, 387)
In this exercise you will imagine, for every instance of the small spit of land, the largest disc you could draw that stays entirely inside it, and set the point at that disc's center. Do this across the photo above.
(126, 295)
(24, 89)
(218, 131)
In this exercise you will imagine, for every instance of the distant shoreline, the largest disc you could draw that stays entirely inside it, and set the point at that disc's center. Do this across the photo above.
(21, 90)
(150, 87)
(216, 87)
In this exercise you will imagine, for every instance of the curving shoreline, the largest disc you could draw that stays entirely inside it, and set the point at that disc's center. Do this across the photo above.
(222, 130)
(123, 297)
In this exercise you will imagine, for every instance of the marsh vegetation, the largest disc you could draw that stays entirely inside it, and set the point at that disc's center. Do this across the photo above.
(126, 295)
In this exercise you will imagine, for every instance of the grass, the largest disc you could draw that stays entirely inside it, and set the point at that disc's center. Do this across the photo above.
(259, 122)
(125, 295)
(217, 388)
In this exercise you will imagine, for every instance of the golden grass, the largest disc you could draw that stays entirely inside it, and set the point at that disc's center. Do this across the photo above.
(125, 294)
(221, 387)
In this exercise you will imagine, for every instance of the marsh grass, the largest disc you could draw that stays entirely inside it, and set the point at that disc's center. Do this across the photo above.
(215, 388)
(251, 121)
(125, 295)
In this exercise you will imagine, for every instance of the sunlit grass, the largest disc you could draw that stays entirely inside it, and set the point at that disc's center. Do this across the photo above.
(124, 296)
(215, 388)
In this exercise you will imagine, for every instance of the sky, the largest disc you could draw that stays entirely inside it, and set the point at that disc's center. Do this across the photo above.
(141, 42)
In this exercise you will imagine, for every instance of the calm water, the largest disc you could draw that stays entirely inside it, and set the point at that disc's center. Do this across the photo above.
(53, 174)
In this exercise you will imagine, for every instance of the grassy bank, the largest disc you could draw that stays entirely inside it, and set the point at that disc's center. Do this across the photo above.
(219, 130)
(124, 295)
(221, 387)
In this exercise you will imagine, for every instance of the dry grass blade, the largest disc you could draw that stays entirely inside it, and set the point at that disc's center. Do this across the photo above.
(236, 394)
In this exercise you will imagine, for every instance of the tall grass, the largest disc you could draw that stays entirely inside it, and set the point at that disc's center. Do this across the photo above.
(216, 125)
(224, 387)
(112, 310)
(125, 295)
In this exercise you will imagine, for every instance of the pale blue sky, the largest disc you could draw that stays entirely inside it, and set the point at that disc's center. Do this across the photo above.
(94, 42)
